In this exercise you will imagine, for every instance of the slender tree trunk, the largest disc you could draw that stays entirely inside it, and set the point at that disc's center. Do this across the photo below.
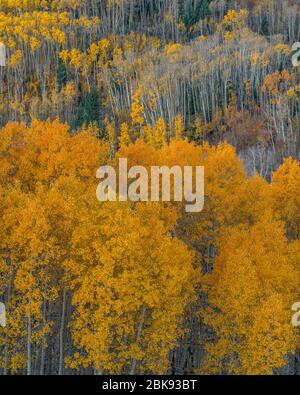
(43, 342)
(6, 337)
(61, 334)
(139, 332)
(29, 344)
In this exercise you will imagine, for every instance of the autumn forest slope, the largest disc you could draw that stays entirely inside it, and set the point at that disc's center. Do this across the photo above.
(140, 288)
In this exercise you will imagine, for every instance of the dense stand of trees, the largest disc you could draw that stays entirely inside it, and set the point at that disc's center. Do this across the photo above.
(143, 287)
(85, 62)
(146, 288)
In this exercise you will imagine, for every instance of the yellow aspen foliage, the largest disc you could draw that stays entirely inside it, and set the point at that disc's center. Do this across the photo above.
(172, 48)
(91, 129)
(285, 192)
(64, 55)
(276, 82)
(293, 93)
(127, 287)
(228, 36)
(16, 58)
(179, 128)
(282, 49)
(76, 58)
(251, 292)
(137, 110)
(160, 133)
(103, 46)
(92, 53)
(34, 44)
(111, 133)
(131, 269)
(224, 179)
(124, 139)
(147, 134)
(129, 296)
(69, 93)
(45, 173)
(234, 20)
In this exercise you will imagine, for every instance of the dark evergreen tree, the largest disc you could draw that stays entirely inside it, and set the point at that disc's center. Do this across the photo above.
(264, 30)
(88, 111)
(192, 11)
(91, 110)
(61, 74)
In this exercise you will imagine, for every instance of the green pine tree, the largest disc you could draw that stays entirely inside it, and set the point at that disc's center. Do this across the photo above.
(61, 74)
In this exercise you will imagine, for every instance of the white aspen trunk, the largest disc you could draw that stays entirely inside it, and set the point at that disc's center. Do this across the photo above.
(6, 337)
(29, 344)
(61, 334)
(43, 343)
(139, 332)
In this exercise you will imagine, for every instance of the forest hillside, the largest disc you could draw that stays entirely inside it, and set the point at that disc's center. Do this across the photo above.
(136, 288)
